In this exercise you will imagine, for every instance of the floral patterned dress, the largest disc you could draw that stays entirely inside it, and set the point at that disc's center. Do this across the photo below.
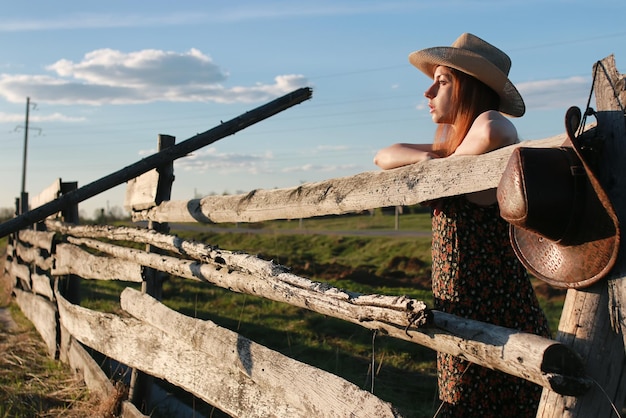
(476, 275)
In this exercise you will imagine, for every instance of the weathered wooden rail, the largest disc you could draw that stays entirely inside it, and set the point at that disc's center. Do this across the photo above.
(245, 379)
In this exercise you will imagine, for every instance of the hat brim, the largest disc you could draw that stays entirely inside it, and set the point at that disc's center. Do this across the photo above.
(588, 254)
(575, 266)
(426, 60)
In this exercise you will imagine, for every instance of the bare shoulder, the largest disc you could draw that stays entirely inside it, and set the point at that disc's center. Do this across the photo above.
(491, 130)
(497, 127)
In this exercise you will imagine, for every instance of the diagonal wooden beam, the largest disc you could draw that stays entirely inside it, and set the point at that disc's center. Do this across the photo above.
(170, 154)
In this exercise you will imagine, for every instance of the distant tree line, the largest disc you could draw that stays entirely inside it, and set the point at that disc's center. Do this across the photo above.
(103, 216)
(6, 214)
(100, 215)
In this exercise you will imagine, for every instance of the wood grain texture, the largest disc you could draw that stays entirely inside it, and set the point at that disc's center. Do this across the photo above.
(217, 365)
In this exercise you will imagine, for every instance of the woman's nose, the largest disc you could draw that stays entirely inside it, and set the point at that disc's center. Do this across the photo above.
(430, 93)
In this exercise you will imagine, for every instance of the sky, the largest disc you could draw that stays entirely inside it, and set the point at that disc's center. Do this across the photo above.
(106, 78)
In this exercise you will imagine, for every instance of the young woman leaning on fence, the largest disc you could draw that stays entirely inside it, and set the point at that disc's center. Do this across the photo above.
(475, 273)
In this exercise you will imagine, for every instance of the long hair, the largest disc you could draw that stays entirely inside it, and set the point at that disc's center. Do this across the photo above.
(470, 97)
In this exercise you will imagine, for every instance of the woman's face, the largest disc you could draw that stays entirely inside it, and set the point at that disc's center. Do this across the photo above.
(439, 96)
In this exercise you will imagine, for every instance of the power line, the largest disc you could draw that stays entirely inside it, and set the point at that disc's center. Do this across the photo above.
(569, 42)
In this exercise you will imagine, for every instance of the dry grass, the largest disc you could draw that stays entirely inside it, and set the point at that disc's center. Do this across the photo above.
(31, 383)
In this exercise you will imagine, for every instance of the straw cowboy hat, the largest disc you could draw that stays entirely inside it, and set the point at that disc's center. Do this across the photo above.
(563, 226)
(480, 59)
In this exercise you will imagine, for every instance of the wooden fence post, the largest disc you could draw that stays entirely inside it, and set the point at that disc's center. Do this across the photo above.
(141, 383)
(593, 318)
(153, 279)
(69, 214)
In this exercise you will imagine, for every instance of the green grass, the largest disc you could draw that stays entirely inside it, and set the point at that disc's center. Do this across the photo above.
(553, 309)
(373, 253)
(416, 219)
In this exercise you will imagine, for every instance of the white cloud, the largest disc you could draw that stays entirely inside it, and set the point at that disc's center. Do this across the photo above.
(555, 93)
(332, 148)
(210, 159)
(107, 76)
(54, 117)
(323, 168)
(423, 105)
(140, 69)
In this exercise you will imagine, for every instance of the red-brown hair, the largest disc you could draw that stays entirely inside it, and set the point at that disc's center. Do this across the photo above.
(471, 97)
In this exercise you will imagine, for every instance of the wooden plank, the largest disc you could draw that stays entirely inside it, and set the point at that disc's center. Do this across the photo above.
(592, 317)
(94, 377)
(42, 285)
(153, 187)
(74, 354)
(41, 239)
(50, 193)
(70, 259)
(10, 252)
(169, 154)
(7, 269)
(277, 285)
(520, 354)
(19, 272)
(218, 366)
(130, 411)
(175, 406)
(33, 256)
(141, 191)
(42, 313)
(402, 186)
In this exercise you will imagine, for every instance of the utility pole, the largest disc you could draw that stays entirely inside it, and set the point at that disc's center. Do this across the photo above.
(25, 146)
(23, 208)
(23, 194)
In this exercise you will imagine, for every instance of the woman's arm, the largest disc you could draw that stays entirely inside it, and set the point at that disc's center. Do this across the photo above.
(398, 155)
(491, 130)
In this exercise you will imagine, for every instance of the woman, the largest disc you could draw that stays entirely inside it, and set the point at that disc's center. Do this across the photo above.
(475, 273)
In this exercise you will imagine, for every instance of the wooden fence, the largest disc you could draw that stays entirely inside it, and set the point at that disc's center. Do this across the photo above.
(582, 371)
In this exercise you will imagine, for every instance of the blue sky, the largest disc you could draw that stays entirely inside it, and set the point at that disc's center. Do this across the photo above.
(105, 78)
